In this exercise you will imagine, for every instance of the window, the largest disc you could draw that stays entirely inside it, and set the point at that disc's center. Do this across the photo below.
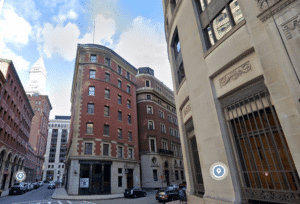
(128, 104)
(175, 121)
(161, 114)
(169, 118)
(149, 110)
(107, 94)
(107, 77)
(176, 44)
(119, 133)
(90, 108)
(106, 149)
(127, 75)
(163, 128)
(148, 97)
(154, 175)
(119, 99)
(120, 170)
(88, 148)
(106, 111)
(120, 181)
(92, 74)
(171, 131)
(120, 84)
(39, 102)
(89, 128)
(176, 175)
(106, 130)
(48, 166)
(176, 133)
(165, 145)
(59, 166)
(151, 125)
(181, 73)
(119, 115)
(63, 166)
(119, 69)
(159, 102)
(130, 136)
(147, 83)
(91, 91)
(152, 145)
(36, 102)
(223, 22)
(120, 152)
(130, 153)
(129, 119)
(128, 89)
(93, 58)
(107, 61)
(38, 109)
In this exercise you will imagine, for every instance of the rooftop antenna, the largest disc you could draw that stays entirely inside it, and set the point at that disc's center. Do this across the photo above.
(94, 32)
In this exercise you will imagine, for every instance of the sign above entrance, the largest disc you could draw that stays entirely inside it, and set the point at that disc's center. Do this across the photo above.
(218, 171)
(84, 182)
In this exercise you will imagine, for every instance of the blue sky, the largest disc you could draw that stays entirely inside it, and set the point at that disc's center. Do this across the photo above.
(52, 28)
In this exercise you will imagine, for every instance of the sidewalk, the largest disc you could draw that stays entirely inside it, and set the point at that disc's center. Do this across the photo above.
(4, 193)
(61, 193)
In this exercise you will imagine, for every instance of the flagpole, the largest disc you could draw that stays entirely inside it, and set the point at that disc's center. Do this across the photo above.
(94, 32)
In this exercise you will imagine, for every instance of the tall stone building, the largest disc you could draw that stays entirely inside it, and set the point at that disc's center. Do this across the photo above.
(235, 67)
(58, 136)
(103, 155)
(41, 105)
(15, 119)
(159, 143)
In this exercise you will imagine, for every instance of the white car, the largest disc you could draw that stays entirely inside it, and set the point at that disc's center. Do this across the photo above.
(41, 183)
(174, 186)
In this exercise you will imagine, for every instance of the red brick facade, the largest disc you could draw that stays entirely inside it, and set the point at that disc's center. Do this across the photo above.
(15, 121)
(39, 128)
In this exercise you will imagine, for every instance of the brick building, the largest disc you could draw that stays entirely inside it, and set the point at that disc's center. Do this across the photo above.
(39, 129)
(159, 143)
(103, 155)
(15, 120)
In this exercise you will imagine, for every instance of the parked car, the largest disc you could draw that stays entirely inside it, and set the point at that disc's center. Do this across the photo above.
(17, 188)
(174, 186)
(134, 192)
(30, 186)
(46, 181)
(166, 194)
(51, 185)
(35, 185)
(182, 185)
(26, 187)
(41, 183)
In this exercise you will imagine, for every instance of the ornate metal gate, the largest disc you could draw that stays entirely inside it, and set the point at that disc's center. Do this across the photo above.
(266, 167)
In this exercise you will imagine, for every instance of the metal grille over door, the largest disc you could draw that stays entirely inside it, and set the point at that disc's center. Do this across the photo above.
(266, 167)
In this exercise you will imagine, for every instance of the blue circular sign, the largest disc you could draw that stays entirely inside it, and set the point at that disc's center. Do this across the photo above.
(219, 171)
(20, 176)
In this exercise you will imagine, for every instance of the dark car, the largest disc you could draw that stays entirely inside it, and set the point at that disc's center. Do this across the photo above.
(17, 188)
(134, 192)
(46, 181)
(35, 185)
(51, 185)
(166, 195)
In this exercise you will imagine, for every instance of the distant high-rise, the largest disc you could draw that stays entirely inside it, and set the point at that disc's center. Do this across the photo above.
(37, 78)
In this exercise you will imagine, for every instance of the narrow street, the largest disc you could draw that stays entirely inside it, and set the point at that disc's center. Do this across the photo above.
(43, 195)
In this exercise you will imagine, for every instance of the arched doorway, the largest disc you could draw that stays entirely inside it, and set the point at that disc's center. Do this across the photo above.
(13, 167)
(167, 173)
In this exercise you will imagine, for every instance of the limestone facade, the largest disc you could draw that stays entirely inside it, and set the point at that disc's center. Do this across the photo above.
(235, 68)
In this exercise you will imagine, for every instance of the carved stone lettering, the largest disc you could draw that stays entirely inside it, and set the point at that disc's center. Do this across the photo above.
(235, 74)
(265, 4)
(291, 26)
(186, 110)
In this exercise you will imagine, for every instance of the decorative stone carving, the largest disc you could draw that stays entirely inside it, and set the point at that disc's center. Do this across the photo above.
(187, 110)
(235, 74)
(290, 26)
(265, 4)
(273, 6)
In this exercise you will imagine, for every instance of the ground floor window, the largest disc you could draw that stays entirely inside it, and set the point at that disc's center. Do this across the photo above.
(154, 175)
(266, 167)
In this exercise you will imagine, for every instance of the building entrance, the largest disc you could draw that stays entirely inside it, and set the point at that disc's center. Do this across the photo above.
(130, 178)
(3, 181)
(167, 174)
(94, 178)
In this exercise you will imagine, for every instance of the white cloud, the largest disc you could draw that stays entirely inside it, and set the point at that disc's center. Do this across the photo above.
(62, 40)
(61, 18)
(16, 36)
(144, 45)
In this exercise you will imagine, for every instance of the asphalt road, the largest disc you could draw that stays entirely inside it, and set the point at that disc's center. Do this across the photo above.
(43, 195)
